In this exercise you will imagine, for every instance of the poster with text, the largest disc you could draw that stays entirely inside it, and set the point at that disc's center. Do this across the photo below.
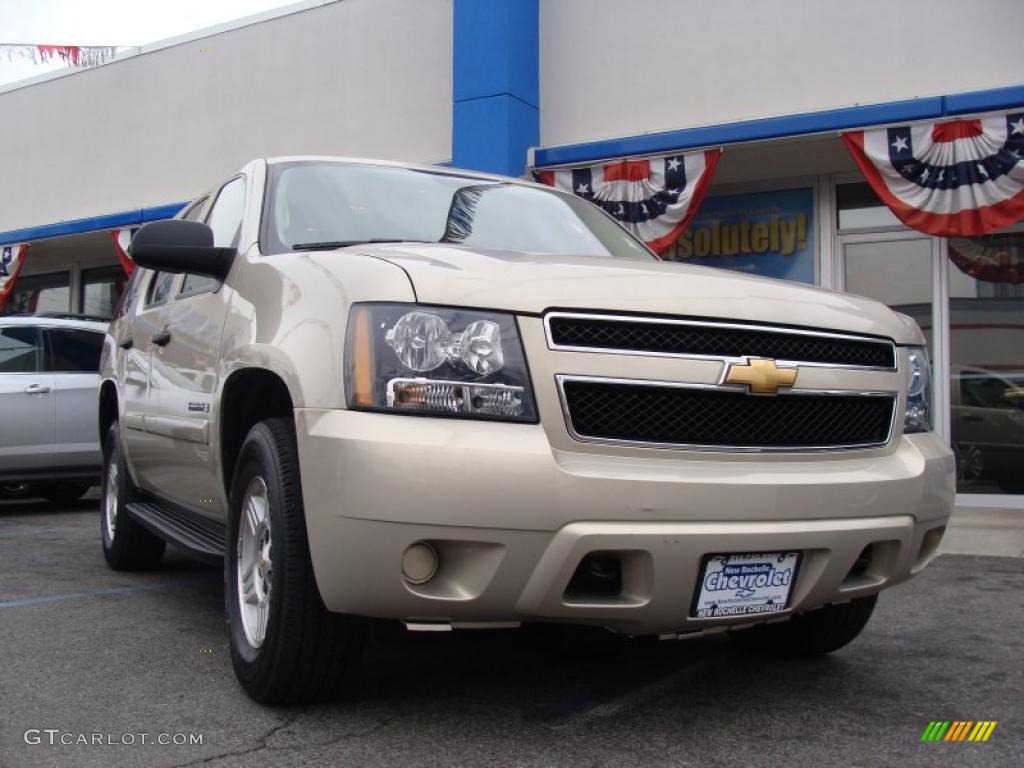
(770, 234)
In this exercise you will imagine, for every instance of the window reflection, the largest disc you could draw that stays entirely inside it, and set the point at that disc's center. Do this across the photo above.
(986, 281)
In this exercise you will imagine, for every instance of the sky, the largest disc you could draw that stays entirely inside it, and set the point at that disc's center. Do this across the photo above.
(108, 23)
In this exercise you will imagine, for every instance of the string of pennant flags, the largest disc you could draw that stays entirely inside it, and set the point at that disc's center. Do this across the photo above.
(74, 56)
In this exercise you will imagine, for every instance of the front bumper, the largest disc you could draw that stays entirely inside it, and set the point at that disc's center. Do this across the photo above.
(512, 517)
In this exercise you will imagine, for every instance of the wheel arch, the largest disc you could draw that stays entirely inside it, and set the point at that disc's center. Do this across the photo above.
(249, 396)
(108, 409)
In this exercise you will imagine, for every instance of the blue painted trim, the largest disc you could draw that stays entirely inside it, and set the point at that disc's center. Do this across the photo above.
(787, 125)
(79, 226)
(495, 84)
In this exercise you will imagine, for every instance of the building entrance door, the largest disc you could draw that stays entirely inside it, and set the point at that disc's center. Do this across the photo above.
(968, 298)
(903, 270)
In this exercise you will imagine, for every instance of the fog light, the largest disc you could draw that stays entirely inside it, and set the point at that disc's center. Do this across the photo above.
(419, 563)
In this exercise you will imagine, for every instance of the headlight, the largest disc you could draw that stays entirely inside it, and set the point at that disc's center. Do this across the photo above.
(919, 391)
(407, 358)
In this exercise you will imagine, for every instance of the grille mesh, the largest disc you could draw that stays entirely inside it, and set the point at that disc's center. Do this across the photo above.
(669, 338)
(674, 415)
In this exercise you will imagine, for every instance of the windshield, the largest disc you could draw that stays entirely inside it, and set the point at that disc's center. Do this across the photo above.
(330, 204)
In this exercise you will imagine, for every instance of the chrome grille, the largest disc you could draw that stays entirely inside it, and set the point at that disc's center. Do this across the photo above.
(696, 338)
(670, 415)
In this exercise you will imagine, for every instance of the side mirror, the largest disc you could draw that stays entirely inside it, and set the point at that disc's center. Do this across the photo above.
(176, 245)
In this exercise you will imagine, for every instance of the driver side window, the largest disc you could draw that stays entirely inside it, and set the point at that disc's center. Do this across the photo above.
(225, 219)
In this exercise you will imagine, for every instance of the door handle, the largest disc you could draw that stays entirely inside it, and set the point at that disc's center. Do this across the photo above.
(163, 338)
(37, 389)
(127, 343)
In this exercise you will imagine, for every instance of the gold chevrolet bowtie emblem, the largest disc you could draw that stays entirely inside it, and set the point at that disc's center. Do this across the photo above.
(761, 376)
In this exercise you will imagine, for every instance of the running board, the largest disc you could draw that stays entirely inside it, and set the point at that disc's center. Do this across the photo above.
(204, 539)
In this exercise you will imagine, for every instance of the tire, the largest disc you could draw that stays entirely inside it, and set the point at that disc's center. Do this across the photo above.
(127, 546)
(286, 647)
(810, 634)
(63, 493)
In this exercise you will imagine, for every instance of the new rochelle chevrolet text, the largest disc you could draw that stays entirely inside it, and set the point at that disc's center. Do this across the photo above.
(459, 401)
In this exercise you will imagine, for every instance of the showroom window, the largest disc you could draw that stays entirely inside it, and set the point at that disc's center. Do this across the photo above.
(858, 207)
(986, 344)
(36, 294)
(101, 289)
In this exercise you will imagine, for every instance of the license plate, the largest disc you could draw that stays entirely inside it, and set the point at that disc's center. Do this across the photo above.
(745, 584)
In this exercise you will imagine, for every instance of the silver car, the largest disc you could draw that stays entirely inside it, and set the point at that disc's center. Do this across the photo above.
(48, 390)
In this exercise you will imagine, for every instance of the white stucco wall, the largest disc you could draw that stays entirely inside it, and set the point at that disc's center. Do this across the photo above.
(612, 68)
(357, 77)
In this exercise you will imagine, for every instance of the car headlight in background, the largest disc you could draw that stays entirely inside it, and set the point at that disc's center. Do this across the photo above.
(407, 358)
(919, 391)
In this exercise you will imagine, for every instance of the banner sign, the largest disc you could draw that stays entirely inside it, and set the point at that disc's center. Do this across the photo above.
(962, 178)
(770, 234)
(11, 259)
(122, 239)
(654, 198)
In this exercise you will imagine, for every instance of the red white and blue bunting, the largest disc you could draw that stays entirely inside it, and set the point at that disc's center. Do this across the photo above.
(12, 257)
(654, 198)
(962, 178)
(992, 259)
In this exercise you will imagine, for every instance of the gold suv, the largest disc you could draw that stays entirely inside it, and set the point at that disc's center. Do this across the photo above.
(467, 401)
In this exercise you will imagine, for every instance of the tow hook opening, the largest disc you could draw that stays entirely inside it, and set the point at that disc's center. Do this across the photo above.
(598, 576)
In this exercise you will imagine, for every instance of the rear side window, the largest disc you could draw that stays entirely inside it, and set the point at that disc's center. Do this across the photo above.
(160, 288)
(130, 294)
(73, 350)
(21, 350)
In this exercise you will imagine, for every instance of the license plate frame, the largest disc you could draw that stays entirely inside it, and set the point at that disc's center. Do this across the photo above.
(768, 599)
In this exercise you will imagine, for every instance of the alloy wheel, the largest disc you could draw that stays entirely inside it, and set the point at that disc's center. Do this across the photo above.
(253, 562)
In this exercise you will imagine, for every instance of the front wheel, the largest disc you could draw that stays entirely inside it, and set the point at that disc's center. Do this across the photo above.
(810, 634)
(286, 647)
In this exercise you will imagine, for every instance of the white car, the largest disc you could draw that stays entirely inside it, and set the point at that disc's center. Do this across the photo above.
(49, 381)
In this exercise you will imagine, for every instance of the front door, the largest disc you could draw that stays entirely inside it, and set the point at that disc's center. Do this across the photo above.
(184, 374)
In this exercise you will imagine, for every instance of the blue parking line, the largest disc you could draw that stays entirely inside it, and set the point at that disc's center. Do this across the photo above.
(86, 595)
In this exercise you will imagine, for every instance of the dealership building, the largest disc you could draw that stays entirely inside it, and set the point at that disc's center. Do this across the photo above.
(741, 134)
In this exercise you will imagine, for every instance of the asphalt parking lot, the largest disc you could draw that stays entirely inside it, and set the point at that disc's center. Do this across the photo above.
(88, 651)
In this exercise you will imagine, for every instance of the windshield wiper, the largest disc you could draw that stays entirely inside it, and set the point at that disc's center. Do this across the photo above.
(328, 245)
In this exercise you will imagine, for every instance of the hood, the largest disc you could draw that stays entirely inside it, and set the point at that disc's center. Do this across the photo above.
(533, 283)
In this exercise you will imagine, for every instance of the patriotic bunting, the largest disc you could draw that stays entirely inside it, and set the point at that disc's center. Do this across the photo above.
(992, 259)
(955, 179)
(122, 239)
(654, 198)
(11, 259)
